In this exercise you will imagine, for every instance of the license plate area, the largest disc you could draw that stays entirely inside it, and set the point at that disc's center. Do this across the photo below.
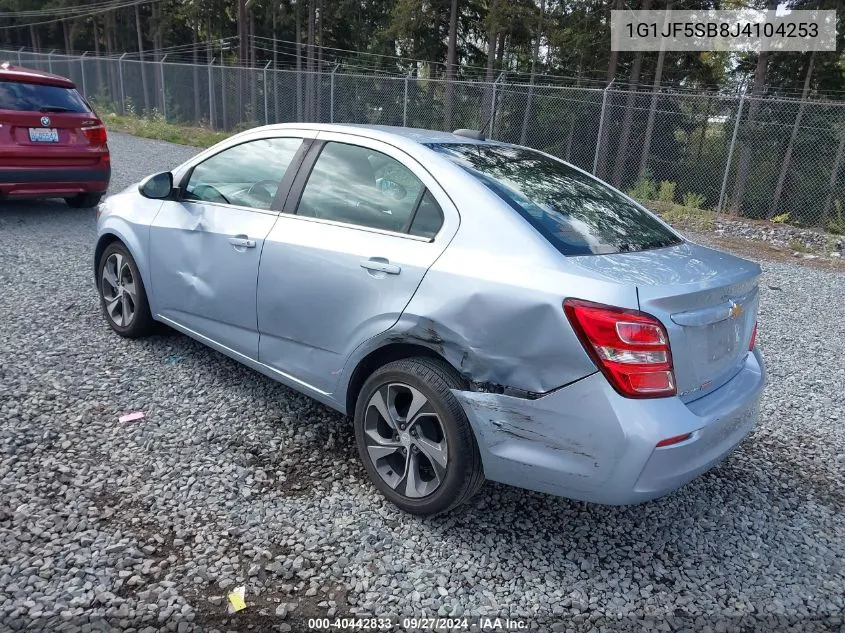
(723, 338)
(43, 135)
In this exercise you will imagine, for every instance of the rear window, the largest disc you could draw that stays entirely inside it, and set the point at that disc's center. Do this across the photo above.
(577, 214)
(16, 95)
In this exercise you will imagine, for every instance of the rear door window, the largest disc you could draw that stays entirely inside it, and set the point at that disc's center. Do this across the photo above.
(27, 97)
(361, 186)
(576, 213)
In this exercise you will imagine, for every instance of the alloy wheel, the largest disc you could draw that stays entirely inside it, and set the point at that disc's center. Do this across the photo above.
(405, 440)
(119, 290)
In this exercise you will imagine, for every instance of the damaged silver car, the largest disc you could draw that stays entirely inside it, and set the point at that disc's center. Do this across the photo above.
(480, 310)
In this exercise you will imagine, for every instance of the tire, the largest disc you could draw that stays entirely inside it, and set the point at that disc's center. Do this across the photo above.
(413, 443)
(84, 200)
(115, 298)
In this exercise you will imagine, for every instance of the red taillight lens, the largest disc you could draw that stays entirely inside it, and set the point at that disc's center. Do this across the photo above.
(753, 341)
(96, 134)
(630, 347)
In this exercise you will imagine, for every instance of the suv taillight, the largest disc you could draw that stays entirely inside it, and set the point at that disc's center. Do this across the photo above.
(752, 344)
(96, 134)
(630, 347)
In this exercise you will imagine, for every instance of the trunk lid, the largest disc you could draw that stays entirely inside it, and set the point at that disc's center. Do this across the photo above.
(707, 301)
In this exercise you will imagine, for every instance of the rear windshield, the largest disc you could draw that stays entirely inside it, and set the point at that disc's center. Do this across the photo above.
(576, 213)
(16, 95)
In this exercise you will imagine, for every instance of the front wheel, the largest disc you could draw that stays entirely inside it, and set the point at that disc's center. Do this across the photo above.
(414, 438)
(122, 293)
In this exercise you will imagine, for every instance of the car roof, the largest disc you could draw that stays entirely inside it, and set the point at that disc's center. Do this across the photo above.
(8, 72)
(416, 135)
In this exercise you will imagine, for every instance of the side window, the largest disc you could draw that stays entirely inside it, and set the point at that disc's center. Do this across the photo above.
(361, 186)
(428, 218)
(247, 175)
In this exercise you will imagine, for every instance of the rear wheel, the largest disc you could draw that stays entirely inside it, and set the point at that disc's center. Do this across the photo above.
(122, 293)
(414, 438)
(84, 200)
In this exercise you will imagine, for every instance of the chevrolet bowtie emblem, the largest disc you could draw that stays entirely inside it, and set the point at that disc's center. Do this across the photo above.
(735, 310)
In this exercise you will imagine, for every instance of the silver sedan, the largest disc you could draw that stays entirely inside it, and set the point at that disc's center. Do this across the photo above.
(480, 310)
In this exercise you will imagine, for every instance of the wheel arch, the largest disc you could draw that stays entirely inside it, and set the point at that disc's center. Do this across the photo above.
(378, 358)
(110, 235)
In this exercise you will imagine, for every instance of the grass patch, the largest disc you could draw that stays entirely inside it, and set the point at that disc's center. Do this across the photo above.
(683, 217)
(158, 129)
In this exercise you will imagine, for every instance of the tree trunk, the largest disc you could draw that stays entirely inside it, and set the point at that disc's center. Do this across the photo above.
(652, 110)
(157, 46)
(33, 38)
(209, 56)
(141, 57)
(492, 39)
(318, 77)
(243, 55)
(197, 114)
(309, 79)
(252, 76)
(97, 55)
(299, 113)
(834, 173)
(275, 74)
(784, 170)
(66, 33)
(612, 64)
(627, 120)
(108, 32)
(536, 53)
(744, 163)
(451, 57)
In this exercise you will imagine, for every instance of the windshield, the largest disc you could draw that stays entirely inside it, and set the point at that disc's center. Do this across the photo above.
(16, 95)
(576, 213)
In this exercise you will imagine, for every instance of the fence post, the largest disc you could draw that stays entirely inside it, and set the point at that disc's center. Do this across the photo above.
(122, 89)
(210, 95)
(50, 60)
(82, 70)
(600, 137)
(730, 155)
(493, 105)
(405, 102)
(331, 93)
(266, 101)
(163, 91)
(20, 57)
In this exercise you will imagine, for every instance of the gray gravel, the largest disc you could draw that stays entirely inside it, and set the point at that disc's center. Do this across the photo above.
(232, 479)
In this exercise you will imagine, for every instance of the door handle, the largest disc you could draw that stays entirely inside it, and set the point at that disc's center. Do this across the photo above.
(381, 265)
(242, 242)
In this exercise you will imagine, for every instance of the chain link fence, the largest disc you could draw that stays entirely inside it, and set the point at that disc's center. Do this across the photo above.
(688, 155)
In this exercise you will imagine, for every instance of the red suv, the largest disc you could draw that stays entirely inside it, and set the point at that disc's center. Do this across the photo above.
(52, 144)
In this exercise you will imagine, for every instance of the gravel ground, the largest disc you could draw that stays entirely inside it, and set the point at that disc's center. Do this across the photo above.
(232, 479)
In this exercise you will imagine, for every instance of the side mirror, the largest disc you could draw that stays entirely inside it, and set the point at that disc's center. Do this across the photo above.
(158, 186)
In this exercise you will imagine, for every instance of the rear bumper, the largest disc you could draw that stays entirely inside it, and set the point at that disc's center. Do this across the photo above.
(587, 442)
(53, 181)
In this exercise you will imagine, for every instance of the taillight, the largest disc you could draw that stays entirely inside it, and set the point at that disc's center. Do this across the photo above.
(631, 348)
(96, 134)
(753, 341)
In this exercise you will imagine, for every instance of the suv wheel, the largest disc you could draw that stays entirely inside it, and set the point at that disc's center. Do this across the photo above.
(414, 438)
(84, 200)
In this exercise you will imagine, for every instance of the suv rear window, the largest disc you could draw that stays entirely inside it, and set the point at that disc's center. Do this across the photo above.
(576, 213)
(24, 97)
